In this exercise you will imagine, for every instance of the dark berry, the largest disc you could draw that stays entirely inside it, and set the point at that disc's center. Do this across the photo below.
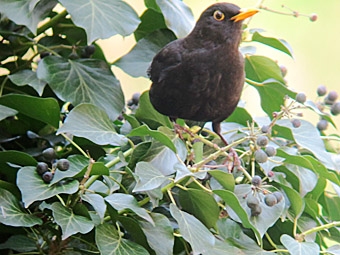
(321, 90)
(278, 196)
(90, 49)
(332, 96)
(335, 109)
(135, 98)
(49, 154)
(130, 102)
(296, 123)
(256, 211)
(270, 200)
(63, 164)
(42, 167)
(262, 141)
(266, 129)
(270, 151)
(322, 125)
(313, 17)
(47, 177)
(73, 56)
(252, 202)
(260, 156)
(256, 181)
(283, 70)
(44, 54)
(301, 97)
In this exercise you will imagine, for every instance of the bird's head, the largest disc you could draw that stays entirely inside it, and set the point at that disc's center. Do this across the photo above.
(222, 22)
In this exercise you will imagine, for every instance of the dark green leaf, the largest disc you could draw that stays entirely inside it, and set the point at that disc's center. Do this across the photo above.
(110, 242)
(225, 179)
(28, 13)
(200, 204)
(11, 213)
(193, 231)
(69, 222)
(6, 112)
(83, 81)
(91, 122)
(241, 116)
(159, 136)
(102, 19)
(43, 109)
(138, 153)
(97, 201)
(138, 60)
(19, 243)
(279, 44)
(299, 248)
(296, 202)
(33, 188)
(28, 77)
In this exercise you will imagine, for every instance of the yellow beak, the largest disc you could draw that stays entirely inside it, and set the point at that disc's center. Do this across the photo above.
(244, 13)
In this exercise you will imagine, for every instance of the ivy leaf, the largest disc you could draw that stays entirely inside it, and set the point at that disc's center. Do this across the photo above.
(299, 248)
(83, 81)
(335, 249)
(33, 188)
(11, 213)
(311, 105)
(149, 177)
(28, 77)
(28, 13)
(19, 243)
(278, 44)
(69, 222)
(110, 242)
(160, 236)
(201, 205)
(225, 179)
(44, 109)
(193, 231)
(102, 18)
(178, 16)
(6, 112)
(97, 201)
(138, 60)
(91, 122)
(121, 201)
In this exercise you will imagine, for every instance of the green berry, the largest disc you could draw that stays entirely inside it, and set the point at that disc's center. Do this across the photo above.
(322, 125)
(301, 97)
(260, 156)
(278, 196)
(252, 202)
(256, 211)
(322, 90)
(47, 177)
(262, 141)
(49, 154)
(42, 167)
(63, 164)
(270, 151)
(296, 123)
(266, 129)
(270, 200)
(335, 109)
(256, 181)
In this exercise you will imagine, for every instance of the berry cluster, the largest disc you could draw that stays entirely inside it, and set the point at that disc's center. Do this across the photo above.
(43, 169)
(261, 155)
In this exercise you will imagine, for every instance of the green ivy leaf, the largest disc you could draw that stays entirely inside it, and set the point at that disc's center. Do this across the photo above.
(178, 16)
(193, 231)
(97, 201)
(148, 177)
(311, 105)
(222, 248)
(160, 236)
(6, 112)
(44, 109)
(69, 222)
(33, 188)
(278, 44)
(110, 242)
(28, 77)
(121, 201)
(138, 60)
(241, 116)
(159, 136)
(83, 81)
(225, 179)
(91, 122)
(296, 202)
(334, 249)
(28, 13)
(201, 205)
(11, 213)
(102, 19)
(19, 243)
(299, 248)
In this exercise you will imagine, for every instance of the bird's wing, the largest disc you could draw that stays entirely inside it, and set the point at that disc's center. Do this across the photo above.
(165, 61)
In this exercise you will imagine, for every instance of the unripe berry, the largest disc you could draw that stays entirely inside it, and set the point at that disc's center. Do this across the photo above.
(262, 141)
(335, 110)
(42, 167)
(278, 196)
(266, 129)
(322, 90)
(252, 202)
(296, 123)
(63, 164)
(49, 154)
(270, 151)
(270, 200)
(47, 177)
(256, 211)
(322, 125)
(260, 156)
(332, 96)
(301, 97)
(256, 181)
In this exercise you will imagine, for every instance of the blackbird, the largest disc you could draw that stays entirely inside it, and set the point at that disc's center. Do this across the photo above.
(201, 76)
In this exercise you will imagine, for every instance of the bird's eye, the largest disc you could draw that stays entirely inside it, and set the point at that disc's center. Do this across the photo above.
(218, 15)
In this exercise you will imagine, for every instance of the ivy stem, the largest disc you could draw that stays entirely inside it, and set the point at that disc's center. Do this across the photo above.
(75, 145)
(319, 228)
(3, 85)
(52, 22)
(244, 171)
(201, 185)
(280, 250)
(270, 240)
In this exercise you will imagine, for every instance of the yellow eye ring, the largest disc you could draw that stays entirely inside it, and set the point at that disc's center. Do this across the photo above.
(218, 15)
